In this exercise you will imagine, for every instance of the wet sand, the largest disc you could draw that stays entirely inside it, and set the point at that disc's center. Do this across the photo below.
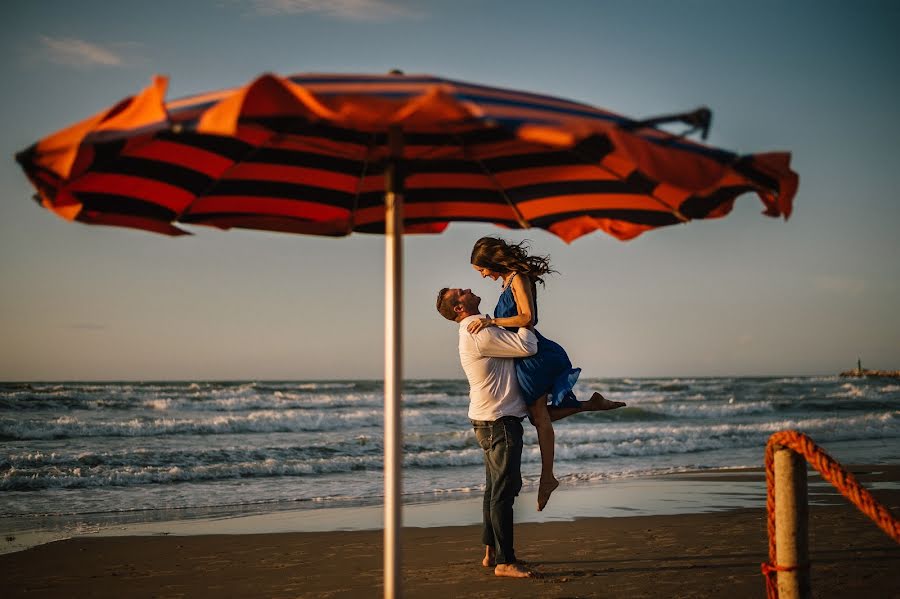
(714, 554)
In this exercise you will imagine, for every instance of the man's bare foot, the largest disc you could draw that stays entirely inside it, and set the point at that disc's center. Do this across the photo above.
(598, 403)
(516, 570)
(489, 561)
(545, 488)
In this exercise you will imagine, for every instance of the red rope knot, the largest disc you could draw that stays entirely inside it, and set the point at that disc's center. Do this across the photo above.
(770, 568)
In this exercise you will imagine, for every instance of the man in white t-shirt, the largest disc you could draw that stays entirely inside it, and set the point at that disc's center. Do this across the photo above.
(496, 409)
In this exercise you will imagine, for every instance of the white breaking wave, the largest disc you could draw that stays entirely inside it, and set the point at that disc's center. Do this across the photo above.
(252, 422)
(326, 386)
(849, 390)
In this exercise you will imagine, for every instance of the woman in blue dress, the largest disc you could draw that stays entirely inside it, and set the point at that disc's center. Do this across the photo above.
(546, 378)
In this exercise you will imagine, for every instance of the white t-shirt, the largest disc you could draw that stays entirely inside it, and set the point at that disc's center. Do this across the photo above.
(493, 388)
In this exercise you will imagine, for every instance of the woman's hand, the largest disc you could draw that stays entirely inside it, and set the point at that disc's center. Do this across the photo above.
(481, 323)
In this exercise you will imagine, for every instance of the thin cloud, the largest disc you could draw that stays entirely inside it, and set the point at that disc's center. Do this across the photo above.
(71, 51)
(841, 285)
(87, 326)
(351, 10)
(745, 340)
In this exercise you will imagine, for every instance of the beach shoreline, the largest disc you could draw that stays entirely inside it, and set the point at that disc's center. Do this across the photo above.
(662, 494)
(685, 552)
(667, 493)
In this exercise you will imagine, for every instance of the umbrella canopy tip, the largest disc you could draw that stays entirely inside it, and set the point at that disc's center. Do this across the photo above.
(26, 156)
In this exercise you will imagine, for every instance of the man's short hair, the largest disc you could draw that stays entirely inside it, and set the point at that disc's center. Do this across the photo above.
(445, 304)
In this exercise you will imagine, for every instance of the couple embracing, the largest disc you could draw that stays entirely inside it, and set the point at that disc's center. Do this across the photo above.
(513, 372)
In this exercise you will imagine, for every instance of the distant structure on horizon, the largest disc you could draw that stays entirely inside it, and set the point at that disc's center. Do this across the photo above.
(860, 372)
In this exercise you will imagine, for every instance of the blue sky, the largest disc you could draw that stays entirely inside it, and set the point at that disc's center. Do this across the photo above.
(743, 295)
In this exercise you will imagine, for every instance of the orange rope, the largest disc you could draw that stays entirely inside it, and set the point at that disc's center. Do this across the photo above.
(831, 471)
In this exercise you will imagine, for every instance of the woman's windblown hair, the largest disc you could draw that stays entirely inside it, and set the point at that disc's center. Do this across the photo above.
(503, 257)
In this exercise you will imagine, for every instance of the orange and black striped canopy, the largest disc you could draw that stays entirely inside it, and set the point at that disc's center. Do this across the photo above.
(307, 154)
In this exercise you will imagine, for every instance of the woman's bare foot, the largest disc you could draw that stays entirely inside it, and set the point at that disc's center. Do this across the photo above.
(489, 560)
(516, 570)
(545, 488)
(598, 403)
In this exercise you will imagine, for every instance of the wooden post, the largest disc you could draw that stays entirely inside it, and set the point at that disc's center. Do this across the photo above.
(791, 525)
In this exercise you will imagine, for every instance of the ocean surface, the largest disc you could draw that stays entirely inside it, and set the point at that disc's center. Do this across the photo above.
(154, 450)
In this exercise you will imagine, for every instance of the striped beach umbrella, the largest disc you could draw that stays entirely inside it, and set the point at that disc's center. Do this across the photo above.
(335, 154)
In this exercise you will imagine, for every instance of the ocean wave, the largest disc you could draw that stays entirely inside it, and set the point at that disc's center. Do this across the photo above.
(447, 450)
(233, 399)
(38, 461)
(252, 422)
(690, 437)
(277, 400)
(824, 405)
(76, 476)
(694, 408)
(849, 390)
(805, 380)
(318, 386)
(631, 413)
(260, 421)
(161, 456)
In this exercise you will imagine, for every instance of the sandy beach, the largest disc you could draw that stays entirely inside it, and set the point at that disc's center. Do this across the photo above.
(714, 554)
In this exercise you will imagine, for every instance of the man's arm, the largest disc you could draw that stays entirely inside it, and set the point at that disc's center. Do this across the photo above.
(496, 342)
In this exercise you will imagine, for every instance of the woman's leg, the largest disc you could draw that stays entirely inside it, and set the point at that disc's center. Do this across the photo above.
(540, 418)
(596, 403)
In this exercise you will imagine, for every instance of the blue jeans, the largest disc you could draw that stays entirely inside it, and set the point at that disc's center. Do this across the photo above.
(501, 441)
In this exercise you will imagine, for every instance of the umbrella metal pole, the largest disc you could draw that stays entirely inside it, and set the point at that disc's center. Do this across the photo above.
(393, 366)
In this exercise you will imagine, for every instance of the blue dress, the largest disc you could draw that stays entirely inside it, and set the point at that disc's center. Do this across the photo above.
(549, 371)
